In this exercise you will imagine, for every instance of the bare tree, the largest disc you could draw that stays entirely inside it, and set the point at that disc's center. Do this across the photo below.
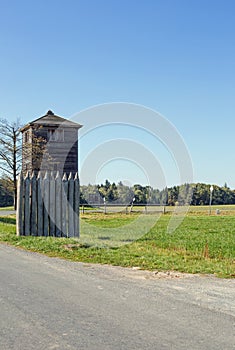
(10, 152)
(36, 155)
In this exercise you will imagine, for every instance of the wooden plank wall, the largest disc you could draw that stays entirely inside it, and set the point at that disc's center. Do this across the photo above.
(59, 155)
(48, 205)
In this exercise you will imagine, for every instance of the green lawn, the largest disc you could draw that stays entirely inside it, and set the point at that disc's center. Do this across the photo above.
(201, 244)
(6, 208)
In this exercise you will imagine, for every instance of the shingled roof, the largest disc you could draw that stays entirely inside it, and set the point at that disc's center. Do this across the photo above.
(50, 119)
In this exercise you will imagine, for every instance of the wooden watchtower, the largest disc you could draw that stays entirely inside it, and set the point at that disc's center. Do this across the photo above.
(50, 143)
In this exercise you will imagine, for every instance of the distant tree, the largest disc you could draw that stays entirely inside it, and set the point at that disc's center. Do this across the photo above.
(155, 196)
(173, 194)
(108, 191)
(141, 194)
(10, 152)
(89, 194)
(185, 194)
(164, 197)
(125, 194)
(6, 193)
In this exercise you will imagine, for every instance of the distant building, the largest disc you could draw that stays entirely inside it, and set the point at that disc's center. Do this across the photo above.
(50, 143)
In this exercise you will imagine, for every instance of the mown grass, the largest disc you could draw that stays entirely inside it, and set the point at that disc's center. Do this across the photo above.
(6, 208)
(110, 220)
(201, 244)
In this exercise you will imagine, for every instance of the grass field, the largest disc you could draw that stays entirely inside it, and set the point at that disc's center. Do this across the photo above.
(201, 244)
(6, 208)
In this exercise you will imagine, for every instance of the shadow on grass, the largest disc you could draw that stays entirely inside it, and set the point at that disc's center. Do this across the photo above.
(7, 220)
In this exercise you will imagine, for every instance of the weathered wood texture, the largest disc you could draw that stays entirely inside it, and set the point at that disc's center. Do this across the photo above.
(48, 205)
(50, 155)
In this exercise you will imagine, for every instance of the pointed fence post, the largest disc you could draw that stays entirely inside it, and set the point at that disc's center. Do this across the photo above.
(33, 206)
(52, 205)
(71, 207)
(64, 196)
(76, 205)
(27, 205)
(39, 205)
(20, 205)
(58, 205)
(46, 203)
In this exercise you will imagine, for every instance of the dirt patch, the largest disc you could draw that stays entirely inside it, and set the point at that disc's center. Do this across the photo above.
(136, 272)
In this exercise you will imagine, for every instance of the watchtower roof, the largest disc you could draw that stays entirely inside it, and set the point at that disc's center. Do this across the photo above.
(52, 120)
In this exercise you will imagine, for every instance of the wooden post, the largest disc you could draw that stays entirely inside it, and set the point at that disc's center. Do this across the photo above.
(131, 207)
(46, 203)
(70, 206)
(20, 205)
(51, 211)
(64, 196)
(27, 205)
(76, 205)
(33, 205)
(39, 205)
(58, 205)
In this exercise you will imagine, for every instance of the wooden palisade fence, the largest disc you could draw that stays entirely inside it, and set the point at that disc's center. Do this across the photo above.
(48, 205)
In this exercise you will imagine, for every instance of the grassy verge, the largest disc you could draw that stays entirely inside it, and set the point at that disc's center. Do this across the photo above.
(6, 208)
(202, 244)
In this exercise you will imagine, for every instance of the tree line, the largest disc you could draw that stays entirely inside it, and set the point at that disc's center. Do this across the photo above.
(193, 194)
(186, 194)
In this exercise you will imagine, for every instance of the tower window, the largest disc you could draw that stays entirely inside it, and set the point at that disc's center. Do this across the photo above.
(26, 136)
(56, 135)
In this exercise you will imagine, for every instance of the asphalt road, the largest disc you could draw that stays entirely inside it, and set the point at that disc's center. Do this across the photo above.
(48, 303)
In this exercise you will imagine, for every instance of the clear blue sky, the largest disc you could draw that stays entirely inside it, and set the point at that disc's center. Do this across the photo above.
(177, 57)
